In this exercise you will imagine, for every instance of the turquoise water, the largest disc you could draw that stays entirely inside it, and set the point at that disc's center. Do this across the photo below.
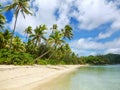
(88, 78)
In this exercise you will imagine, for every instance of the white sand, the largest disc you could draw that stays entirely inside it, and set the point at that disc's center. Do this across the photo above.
(29, 77)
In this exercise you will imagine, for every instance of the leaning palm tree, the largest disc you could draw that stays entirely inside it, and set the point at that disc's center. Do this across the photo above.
(18, 6)
(38, 34)
(67, 50)
(55, 40)
(67, 31)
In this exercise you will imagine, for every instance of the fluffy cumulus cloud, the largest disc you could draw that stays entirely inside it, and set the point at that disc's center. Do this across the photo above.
(88, 47)
(4, 2)
(90, 14)
(94, 13)
(114, 50)
(45, 13)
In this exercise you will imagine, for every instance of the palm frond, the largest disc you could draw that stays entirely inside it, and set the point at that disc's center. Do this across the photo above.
(27, 11)
(23, 13)
(9, 7)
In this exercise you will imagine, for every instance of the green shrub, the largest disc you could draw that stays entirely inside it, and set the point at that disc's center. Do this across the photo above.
(52, 62)
(16, 58)
(42, 62)
(62, 63)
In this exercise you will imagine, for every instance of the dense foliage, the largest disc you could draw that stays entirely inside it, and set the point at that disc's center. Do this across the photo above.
(42, 45)
(101, 59)
(113, 58)
(16, 58)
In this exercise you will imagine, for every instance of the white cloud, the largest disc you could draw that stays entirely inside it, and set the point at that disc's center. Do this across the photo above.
(4, 2)
(113, 50)
(82, 52)
(113, 28)
(86, 45)
(44, 14)
(23, 23)
(94, 13)
(64, 11)
(105, 35)
(91, 14)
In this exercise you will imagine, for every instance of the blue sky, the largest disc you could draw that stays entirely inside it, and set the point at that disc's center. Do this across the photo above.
(96, 23)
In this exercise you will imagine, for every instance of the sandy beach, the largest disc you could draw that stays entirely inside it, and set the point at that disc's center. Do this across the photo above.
(29, 77)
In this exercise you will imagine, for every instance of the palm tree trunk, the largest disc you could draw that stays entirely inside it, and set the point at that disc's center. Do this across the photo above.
(13, 31)
(44, 54)
(51, 54)
(36, 43)
(39, 42)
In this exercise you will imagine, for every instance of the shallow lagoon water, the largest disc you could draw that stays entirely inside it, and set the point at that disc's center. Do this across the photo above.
(87, 78)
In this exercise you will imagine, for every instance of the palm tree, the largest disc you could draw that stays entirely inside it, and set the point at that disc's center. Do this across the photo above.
(28, 31)
(2, 20)
(67, 51)
(30, 47)
(1, 40)
(18, 6)
(18, 45)
(55, 40)
(39, 34)
(67, 31)
(54, 28)
(5, 38)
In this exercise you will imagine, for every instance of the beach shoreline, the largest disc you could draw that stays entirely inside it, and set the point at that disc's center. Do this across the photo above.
(29, 77)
